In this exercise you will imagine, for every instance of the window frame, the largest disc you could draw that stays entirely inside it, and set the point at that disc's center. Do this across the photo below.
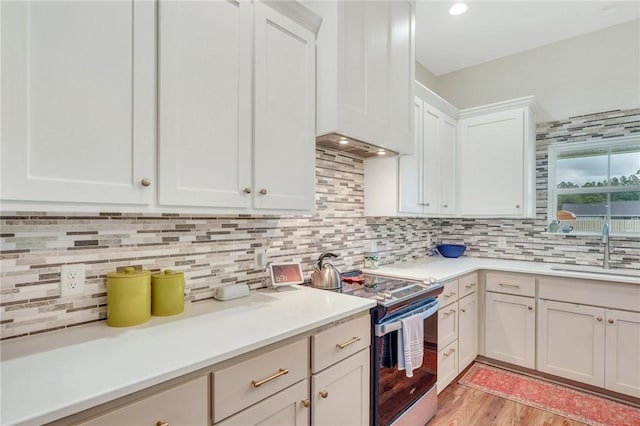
(556, 149)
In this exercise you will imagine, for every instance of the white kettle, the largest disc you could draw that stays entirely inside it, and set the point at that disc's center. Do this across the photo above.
(325, 276)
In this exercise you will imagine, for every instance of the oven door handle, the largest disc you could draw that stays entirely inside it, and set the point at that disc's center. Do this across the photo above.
(382, 329)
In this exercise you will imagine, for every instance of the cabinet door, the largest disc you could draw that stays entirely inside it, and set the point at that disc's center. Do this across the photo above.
(284, 140)
(468, 330)
(491, 159)
(622, 368)
(410, 169)
(186, 405)
(448, 324)
(289, 407)
(78, 93)
(510, 329)
(431, 161)
(448, 169)
(340, 394)
(571, 341)
(205, 103)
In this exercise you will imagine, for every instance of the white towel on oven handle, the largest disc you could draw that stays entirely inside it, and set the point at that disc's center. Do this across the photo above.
(410, 344)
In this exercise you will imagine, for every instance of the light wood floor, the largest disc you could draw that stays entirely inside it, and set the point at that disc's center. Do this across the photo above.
(464, 406)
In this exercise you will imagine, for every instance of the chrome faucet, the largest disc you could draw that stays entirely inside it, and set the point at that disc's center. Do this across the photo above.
(605, 241)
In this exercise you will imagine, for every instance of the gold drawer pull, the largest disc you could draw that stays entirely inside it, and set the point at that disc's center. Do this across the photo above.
(446, 296)
(610, 321)
(509, 285)
(305, 403)
(324, 394)
(162, 423)
(350, 342)
(470, 285)
(463, 310)
(451, 351)
(451, 311)
(258, 383)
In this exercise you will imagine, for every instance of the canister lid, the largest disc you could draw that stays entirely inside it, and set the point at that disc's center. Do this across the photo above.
(167, 274)
(128, 272)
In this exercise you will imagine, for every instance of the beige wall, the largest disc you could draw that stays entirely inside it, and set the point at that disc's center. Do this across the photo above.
(426, 77)
(598, 71)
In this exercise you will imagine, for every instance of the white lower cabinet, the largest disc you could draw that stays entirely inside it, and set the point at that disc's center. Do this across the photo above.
(288, 407)
(468, 330)
(571, 341)
(622, 352)
(457, 328)
(510, 329)
(186, 405)
(340, 394)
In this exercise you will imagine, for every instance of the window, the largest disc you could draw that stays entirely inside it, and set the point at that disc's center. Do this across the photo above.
(594, 182)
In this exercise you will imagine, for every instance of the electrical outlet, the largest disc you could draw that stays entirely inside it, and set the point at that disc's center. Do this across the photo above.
(502, 242)
(72, 279)
(261, 257)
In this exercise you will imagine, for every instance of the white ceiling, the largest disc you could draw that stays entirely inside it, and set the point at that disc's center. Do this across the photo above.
(494, 29)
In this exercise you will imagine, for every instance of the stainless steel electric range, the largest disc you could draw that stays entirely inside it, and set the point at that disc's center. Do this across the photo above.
(396, 399)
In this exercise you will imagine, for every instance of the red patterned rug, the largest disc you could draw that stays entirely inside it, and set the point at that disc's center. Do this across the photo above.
(567, 402)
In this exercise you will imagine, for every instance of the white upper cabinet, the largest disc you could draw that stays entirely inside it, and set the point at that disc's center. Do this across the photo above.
(235, 107)
(217, 149)
(205, 103)
(78, 102)
(366, 65)
(496, 158)
(284, 145)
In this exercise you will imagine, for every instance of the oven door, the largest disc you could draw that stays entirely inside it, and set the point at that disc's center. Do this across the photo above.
(394, 392)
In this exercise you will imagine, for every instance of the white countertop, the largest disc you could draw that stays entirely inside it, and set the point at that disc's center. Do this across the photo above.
(443, 269)
(53, 375)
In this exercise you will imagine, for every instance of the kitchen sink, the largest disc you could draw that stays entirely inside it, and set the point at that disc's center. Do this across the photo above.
(596, 270)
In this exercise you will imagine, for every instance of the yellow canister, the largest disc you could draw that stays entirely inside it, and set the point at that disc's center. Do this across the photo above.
(167, 293)
(128, 297)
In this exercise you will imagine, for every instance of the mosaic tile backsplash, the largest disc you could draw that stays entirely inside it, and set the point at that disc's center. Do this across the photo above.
(220, 250)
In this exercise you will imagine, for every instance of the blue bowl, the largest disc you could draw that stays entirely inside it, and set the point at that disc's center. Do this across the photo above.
(451, 250)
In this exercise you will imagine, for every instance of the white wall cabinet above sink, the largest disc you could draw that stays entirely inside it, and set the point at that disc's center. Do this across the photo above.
(235, 101)
(366, 63)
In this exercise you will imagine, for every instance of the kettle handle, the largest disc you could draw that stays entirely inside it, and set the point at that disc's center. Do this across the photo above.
(322, 256)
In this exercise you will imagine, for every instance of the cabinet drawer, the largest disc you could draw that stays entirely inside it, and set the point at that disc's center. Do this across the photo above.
(186, 404)
(588, 292)
(339, 342)
(449, 293)
(245, 383)
(521, 285)
(447, 324)
(467, 285)
(447, 365)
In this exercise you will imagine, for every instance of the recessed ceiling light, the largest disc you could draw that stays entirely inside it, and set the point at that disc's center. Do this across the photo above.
(343, 141)
(458, 9)
(381, 152)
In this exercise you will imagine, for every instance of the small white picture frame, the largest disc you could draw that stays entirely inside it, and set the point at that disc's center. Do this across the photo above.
(285, 274)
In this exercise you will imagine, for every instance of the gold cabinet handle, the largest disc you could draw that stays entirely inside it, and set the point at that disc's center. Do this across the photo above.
(599, 318)
(509, 285)
(263, 191)
(470, 285)
(305, 403)
(451, 311)
(324, 394)
(258, 383)
(463, 310)
(530, 308)
(146, 182)
(247, 190)
(160, 423)
(610, 320)
(446, 296)
(350, 342)
(451, 351)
